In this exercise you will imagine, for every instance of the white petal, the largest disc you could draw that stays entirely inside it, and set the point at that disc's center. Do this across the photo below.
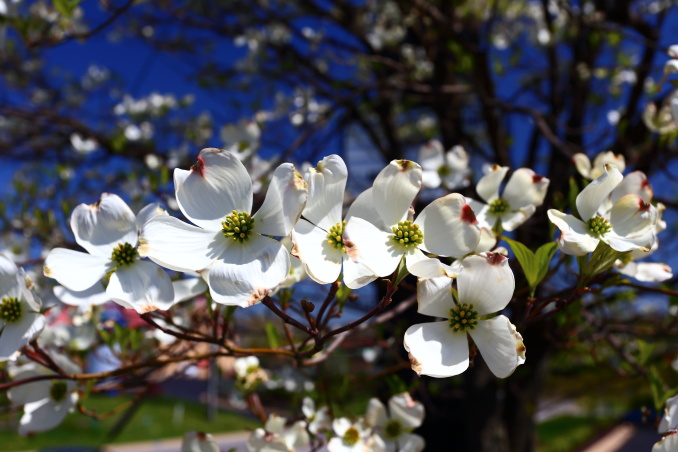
(629, 243)
(179, 246)
(407, 411)
(363, 207)
(434, 296)
(604, 158)
(8, 269)
(635, 182)
(487, 240)
(372, 247)
(356, 275)
(149, 212)
(284, 201)
(29, 392)
(424, 267)
(394, 190)
(435, 350)
(501, 347)
(75, 270)
(449, 226)
(575, 238)
(525, 188)
(510, 221)
(185, 289)
(375, 416)
(583, 164)
(594, 195)
(674, 108)
(631, 217)
(488, 185)
(94, 296)
(669, 420)
(411, 442)
(45, 414)
(326, 186)
(668, 443)
(322, 260)
(16, 335)
(247, 272)
(430, 179)
(142, 285)
(101, 226)
(473, 287)
(482, 213)
(431, 155)
(340, 426)
(216, 185)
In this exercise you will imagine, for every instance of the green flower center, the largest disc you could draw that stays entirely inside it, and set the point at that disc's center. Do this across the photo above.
(598, 226)
(334, 237)
(463, 317)
(124, 254)
(499, 206)
(443, 170)
(58, 391)
(10, 309)
(407, 234)
(393, 428)
(351, 436)
(238, 226)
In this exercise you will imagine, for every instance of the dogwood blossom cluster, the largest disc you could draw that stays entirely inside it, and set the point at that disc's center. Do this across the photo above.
(379, 430)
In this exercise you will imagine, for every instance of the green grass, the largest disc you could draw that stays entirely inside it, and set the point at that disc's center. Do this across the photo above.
(155, 418)
(567, 433)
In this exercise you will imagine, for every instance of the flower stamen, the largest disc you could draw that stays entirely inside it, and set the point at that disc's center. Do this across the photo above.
(393, 429)
(598, 226)
(352, 436)
(407, 234)
(334, 237)
(10, 309)
(499, 206)
(58, 391)
(238, 226)
(124, 254)
(463, 317)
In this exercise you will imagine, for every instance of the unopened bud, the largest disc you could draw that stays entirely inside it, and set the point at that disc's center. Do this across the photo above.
(307, 306)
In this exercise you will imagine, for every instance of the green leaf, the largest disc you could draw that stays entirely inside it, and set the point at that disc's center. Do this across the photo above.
(272, 335)
(659, 391)
(395, 384)
(645, 350)
(534, 265)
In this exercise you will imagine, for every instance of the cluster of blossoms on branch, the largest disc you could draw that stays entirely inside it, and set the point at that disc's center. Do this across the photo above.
(241, 256)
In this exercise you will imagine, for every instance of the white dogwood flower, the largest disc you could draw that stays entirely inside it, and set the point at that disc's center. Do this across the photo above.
(524, 192)
(440, 349)
(594, 171)
(318, 420)
(109, 231)
(381, 230)
(450, 169)
(20, 317)
(232, 248)
(350, 436)
(198, 442)
(276, 436)
(46, 402)
(627, 225)
(392, 429)
(318, 235)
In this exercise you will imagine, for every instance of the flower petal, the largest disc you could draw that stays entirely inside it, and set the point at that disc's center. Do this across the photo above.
(488, 185)
(185, 289)
(45, 414)
(630, 216)
(411, 442)
(363, 207)
(629, 243)
(591, 198)
(147, 213)
(179, 246)
(647, 271)
(322, 260)
(371, 246)
(247, 272)
(75, 270)
(510, 221)
(407, 411)
(635, 182)
(394, 190)
(142, 285)
(434, 296)
(575, 238)
(605, 158)
(28, 392)
(375, 416)
(94, 296)
(435, 350)
(449, 226)
(356, 275)
(500, 345)
(583, 164)
(326, 186)
(525, 188)
(216, 185)
(101, 226)
(473, 287)
(16, 335)
(284, 201)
